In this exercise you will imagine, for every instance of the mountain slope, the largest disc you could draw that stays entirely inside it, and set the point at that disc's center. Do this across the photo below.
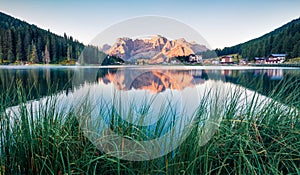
(23, 42)
(156, 48)
(285, 39)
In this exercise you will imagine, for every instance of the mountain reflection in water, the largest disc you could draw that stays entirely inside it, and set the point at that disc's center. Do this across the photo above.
(39, 82)
(155, 81)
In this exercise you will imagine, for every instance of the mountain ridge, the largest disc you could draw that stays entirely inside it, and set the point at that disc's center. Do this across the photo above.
(157, 48)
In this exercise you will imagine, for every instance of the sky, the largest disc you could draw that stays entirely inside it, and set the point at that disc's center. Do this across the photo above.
(222, 23)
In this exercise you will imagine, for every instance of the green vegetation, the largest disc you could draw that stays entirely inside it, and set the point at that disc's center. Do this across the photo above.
(285, 40)
(258, 137)
(209, 54)
(294, 60)
(184, 60)
(112, 60)
(67, 62)
(22, 43)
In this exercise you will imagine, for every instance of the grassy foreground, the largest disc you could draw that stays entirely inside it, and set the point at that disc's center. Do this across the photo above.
(257, 137)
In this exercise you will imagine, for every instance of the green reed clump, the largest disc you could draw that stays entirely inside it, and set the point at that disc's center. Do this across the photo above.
(43, 138)
(256, 136)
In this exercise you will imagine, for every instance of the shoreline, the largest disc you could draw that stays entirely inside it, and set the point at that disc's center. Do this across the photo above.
(220, 67)
(278, 65)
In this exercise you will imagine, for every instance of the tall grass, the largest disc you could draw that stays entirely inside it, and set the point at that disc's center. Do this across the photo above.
(254, 136)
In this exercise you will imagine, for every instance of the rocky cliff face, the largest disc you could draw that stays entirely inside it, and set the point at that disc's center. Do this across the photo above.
(157, 49)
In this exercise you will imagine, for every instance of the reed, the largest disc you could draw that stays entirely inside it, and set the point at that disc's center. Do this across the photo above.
(251, 136)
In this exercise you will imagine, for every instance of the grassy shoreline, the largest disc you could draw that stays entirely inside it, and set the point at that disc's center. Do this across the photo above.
(247, 141)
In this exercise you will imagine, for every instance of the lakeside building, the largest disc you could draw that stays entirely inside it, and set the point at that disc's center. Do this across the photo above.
(276, 58)
(195, 58)
(226, 60)
(272, 59)
(260, 60)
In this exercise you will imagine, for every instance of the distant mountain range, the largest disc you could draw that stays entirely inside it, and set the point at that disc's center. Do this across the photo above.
(285, 40)
(156, 48)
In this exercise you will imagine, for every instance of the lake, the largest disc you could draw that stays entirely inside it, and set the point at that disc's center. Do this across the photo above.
(41, 81)
(158, 101)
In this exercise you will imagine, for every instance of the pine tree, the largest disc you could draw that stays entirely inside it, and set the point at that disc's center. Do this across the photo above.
(53, 50)
(1, 54)
(27, 45)
(69, 53)
(10, 55)
(40, 48)
(20, 40)
(46, 56)
(33, 55)
(296, 51)
(19, 52)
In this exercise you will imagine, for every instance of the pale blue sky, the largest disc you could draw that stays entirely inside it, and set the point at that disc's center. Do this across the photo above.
(221, 22)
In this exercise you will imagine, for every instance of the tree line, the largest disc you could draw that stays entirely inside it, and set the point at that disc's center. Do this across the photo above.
(22, 42)
(285, 40)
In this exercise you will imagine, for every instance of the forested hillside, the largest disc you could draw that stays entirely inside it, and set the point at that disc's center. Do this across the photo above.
(285, 39)
(23, 42)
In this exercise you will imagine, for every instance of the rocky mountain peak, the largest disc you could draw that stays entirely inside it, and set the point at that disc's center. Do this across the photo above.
(154, 48)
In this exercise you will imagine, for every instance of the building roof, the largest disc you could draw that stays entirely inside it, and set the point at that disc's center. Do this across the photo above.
(278, 55)
(259, 58)
(227, 56)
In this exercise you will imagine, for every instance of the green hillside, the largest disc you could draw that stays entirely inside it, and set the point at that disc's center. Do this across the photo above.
(285, 39)
(21, 42)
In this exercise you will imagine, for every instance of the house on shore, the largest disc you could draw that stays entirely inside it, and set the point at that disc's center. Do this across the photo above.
(272, 59)
(243, 62)
(226, 60)
(194, 58)
(260, 60)
(276, 58)
(215, 62)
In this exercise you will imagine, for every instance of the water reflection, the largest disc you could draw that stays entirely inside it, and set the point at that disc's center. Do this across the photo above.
(113, 104)
(34, 82)
(38, 82)
(155, 81)
(272, 74)
(163, 105)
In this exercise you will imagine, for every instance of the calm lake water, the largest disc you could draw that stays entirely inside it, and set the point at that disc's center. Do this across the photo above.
(146, 98)
(139, 90)
(41, 81)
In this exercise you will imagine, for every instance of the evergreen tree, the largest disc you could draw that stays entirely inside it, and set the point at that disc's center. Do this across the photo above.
(53, 49)
(24, 42)
(27, 45)
(40, 48)
(282, 40)
(34, 55)
(46, 58)
(1, 55)
(69, 53)
(19, 51)
(10, 55)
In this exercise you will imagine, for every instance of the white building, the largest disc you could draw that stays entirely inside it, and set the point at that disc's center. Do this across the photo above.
(195, 58)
